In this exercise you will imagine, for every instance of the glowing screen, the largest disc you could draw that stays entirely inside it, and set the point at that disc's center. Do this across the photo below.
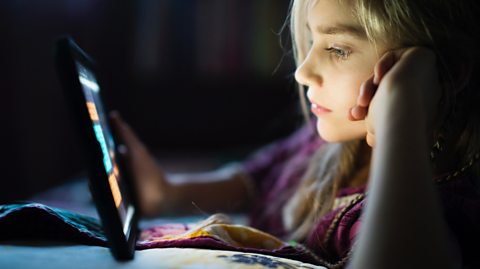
(91, 91)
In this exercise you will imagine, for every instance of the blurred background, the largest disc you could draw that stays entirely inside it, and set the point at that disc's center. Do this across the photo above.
(190, 76)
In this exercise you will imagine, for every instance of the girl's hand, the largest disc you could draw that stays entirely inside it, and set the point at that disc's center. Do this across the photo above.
(412, 74)
(154, 191)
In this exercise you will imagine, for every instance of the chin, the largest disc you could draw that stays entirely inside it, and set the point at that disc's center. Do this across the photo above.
(335, 135)
(332, 138)
(329, 136)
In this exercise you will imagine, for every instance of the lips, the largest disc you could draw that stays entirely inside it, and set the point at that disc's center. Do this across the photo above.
(318, 109)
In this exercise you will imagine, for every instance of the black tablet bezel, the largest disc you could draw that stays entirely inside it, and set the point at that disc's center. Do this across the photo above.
(67, 53)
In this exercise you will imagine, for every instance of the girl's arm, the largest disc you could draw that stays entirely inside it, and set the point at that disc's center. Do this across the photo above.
(403, 226)
(225, 189)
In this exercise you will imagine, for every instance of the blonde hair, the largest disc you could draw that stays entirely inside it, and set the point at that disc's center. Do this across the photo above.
(445, 26)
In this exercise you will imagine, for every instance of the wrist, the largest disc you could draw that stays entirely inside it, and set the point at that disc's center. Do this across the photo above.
(170, 199)
(404, 111)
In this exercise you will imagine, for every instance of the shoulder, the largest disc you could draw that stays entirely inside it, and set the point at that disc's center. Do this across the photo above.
(333, 236)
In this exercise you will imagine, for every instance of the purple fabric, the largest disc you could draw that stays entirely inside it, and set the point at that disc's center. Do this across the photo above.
(33, 221)
(289, 252)
(277, 170)
(343, 234)
(461, 206)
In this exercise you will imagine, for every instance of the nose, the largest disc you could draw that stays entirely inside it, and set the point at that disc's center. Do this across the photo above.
(307, 73)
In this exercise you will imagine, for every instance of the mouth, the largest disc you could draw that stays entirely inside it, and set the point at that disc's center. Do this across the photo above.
(318, 109)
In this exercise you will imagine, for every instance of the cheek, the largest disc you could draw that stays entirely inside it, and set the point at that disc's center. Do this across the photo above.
(355, 75)
(350, 92)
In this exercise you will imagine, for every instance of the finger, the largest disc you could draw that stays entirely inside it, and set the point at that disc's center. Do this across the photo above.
(367, 91)
(126, 133)
(117, 119)
(383, 66)
(350, 116)
(370, 140)
(358, 113)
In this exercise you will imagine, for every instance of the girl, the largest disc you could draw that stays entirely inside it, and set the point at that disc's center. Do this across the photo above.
(386, 80)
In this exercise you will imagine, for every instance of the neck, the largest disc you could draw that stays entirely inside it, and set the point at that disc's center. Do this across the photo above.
(360, 177)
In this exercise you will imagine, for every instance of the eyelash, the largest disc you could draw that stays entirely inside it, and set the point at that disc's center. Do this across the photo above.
(341, 54)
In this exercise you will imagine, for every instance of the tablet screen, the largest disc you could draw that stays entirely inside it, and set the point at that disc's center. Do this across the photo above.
(91, 91)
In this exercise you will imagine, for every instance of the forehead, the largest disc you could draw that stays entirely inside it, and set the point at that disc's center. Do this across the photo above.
(329, 13)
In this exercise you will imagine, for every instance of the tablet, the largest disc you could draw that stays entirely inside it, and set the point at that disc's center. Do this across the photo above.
(110, 186)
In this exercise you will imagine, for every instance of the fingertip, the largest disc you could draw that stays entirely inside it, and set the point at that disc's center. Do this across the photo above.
(122, 149)
(370, 140)
(350, 116)
(355, 113)
(114, 114)
(359, 112)
(117, 120)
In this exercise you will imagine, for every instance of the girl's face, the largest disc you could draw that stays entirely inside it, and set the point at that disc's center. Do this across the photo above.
(339, 59)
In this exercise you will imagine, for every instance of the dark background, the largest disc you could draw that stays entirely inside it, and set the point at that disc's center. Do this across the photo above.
(189, 76)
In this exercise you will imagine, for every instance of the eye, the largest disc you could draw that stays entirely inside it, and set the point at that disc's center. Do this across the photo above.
(341, 54)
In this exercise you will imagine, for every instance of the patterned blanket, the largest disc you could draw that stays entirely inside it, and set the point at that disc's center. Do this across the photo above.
(34, 221)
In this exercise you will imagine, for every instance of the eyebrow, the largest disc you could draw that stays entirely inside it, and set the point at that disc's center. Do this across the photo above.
(340, 29)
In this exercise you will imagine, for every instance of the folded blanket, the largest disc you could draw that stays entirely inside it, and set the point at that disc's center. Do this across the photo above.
(33, 221)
